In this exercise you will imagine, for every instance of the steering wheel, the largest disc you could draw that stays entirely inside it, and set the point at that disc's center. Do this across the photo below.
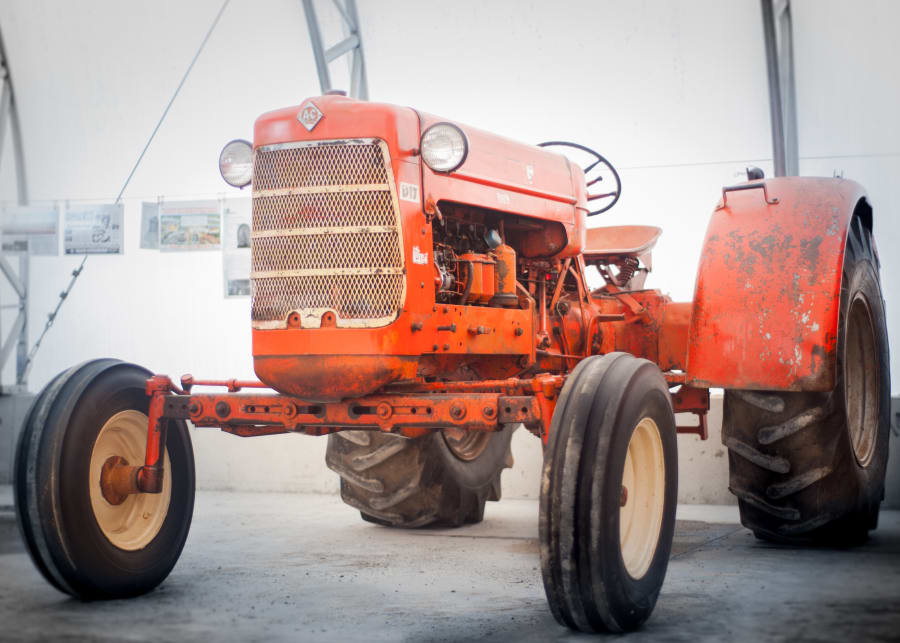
(601, 161)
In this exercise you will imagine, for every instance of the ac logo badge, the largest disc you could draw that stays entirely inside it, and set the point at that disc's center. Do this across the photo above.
(309, 115)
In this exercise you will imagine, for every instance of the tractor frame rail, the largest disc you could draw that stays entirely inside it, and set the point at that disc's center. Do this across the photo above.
(409, 409)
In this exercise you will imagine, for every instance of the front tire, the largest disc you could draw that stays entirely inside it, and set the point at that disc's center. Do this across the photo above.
(80, 542)
(608, 494)
(809, 467)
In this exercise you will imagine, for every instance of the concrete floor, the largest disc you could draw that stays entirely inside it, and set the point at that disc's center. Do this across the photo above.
(304, 567)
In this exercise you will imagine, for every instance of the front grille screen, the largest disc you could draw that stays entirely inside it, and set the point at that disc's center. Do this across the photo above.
(326, 234)
(322, 163)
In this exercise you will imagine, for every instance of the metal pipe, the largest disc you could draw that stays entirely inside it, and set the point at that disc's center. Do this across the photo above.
(468, 288)
(5, 102)
(315, 37)
(775, 105)
(542, 302)
(349, 43)
(788, 93)
(359, 84)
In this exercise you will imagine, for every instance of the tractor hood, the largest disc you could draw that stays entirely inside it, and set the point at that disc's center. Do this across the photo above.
(338, 117)
(497, 174)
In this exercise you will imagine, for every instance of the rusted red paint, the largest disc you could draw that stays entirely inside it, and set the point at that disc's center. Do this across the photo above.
(233, 385)
(766, 302)
(118, 479)
(673, 336)
(688, 399)
(496, 175)
(329, 378)
(150, 476)
(409, 410)
(335, 363)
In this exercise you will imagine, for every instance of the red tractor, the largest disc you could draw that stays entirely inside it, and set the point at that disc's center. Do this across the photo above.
(420, 289)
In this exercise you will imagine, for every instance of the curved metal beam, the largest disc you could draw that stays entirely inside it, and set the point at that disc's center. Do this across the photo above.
(8, 108)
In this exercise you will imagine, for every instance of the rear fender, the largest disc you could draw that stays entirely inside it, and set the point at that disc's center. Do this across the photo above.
(767, 296)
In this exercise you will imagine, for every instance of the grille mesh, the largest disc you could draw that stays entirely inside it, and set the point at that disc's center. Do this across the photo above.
(326, 234)
(348, 295)
(322, 163)
(323, 210)
(326, 251)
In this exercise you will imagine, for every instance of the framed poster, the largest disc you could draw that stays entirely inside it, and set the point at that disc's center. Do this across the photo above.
(236, 217)
(31, 229)
(150, 226)
(94, 229)
(190, 225)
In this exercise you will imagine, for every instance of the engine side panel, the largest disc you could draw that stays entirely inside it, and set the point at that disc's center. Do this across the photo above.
(501, 174)
(767, 296)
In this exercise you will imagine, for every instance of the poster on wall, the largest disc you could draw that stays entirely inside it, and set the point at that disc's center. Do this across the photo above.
(150, 226)
(236, 214)
(94, 229)
(31, 229)
(190, 225)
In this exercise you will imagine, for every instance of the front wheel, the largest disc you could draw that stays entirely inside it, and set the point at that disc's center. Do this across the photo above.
(83, 541)
(608, 494)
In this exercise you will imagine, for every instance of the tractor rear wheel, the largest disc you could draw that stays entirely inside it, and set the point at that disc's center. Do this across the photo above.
(608, 494)
(84, 542)
(810, 467)
(443, 478)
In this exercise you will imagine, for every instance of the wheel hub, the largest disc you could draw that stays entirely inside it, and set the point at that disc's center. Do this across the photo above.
(117, 480)
(466, 445)
(130, 521)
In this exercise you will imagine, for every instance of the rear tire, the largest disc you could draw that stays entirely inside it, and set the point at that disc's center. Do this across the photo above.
(401, 482)
(612, 441)
(82, 544)
(810, 467)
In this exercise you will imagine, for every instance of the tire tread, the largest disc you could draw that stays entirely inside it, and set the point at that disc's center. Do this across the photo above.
(401, 482)
(791, 463)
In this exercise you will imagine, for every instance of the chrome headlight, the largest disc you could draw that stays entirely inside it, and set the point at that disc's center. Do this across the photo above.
(236, 163)
(444, 147)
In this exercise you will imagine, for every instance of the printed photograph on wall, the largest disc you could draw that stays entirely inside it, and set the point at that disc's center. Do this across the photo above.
(190, 225)
(94, 229)
(236, 215)
(150, 226)
(31, 229)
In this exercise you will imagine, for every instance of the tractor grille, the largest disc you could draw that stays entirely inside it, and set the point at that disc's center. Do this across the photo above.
(326, 234)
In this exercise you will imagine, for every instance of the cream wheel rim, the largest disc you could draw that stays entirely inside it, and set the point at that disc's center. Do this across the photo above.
(133, 524)
(466, 445)
(643, 498)
(861, 380)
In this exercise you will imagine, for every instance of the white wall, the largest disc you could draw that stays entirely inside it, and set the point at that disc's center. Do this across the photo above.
(675, 93)
(848, 102)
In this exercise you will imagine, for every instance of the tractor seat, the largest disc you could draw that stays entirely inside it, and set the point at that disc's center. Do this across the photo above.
(619, 241)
